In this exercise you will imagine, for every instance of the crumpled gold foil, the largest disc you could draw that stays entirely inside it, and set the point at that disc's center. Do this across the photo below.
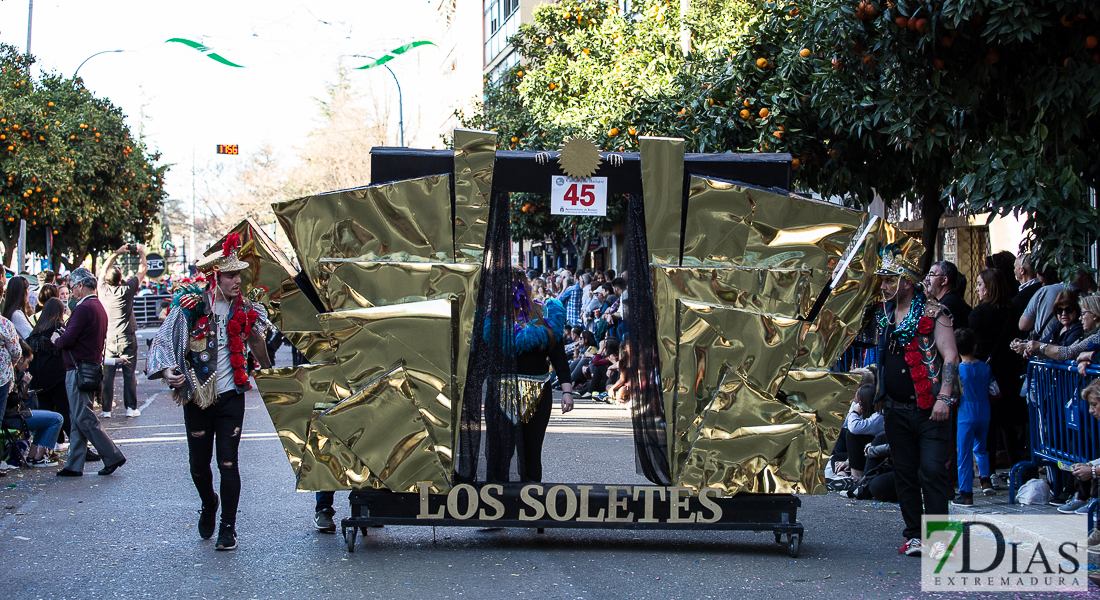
(720, 351)
(475, 154)
(367, 341)
(329, 465)
(403, 220)
(824, 397)
(663, 188)
(291, 394)
(384, 426)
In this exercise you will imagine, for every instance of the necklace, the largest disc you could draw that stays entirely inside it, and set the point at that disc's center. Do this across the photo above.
(905, 330)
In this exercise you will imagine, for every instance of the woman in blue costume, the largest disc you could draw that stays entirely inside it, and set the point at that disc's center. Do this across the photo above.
(539, 332)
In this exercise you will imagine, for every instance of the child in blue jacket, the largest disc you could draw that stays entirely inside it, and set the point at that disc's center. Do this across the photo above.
(978, 386)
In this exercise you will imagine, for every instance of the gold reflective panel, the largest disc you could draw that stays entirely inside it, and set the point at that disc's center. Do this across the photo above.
(290, 395)
(825, 396)
(329, 465)
(663, 187)
(384, 426)
(367, 341)
(404, 220)
(734, 225)
(719, 346)
(475, 154)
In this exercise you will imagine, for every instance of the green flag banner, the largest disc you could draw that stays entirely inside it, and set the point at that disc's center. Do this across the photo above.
(392, 54)
(205, 50)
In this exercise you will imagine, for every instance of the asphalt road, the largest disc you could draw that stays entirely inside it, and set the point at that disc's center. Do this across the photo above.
(133, 534)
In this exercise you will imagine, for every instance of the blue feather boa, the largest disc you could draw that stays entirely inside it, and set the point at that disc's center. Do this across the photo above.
(534, 336)
(192, 314)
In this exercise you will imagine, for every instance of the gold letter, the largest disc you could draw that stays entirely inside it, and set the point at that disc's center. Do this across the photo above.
(525, 495)
(471, 501)
(649, 492)
(552, 503)
(676, 502)
(492, 502)
(584, 506)
(614, 504)
(424, 514)
(711, 505)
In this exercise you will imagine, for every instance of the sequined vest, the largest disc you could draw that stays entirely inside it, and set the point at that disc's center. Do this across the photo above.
(926, 345)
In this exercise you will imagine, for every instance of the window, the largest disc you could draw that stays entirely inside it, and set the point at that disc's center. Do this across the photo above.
(501, 22)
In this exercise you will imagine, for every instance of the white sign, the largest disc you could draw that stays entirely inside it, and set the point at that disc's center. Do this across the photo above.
(586, 197)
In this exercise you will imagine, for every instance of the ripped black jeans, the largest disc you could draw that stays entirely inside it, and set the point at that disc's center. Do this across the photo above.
(216, 427)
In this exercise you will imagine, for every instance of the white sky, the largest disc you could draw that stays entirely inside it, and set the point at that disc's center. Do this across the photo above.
(186, 103)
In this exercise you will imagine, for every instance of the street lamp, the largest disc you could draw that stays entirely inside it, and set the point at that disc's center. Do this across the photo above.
(90, 58)
(400, 102)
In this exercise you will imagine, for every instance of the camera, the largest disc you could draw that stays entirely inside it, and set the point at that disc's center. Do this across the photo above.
(131, 248)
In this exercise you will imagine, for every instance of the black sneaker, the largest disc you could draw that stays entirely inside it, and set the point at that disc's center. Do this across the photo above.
(227, 538)
(208, 519)
(92, 456)
(961, 500)
(322, 520)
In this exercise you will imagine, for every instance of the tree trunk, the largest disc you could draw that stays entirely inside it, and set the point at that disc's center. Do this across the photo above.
(931, 211)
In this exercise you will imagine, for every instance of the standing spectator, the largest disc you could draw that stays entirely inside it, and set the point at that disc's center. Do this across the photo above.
(210, 380)
(918, 389)
(1029, 284)
(1004, 262)
(978, 387)
(65, 293)
(942, 283)
(47, 369)
(117, 297)
(82, 341)
(17, 305)
(45, 292)
(571, 298)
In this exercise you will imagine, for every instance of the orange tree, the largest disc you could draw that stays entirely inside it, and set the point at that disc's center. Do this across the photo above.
(979, 104)
(68, 164)
(584, 66)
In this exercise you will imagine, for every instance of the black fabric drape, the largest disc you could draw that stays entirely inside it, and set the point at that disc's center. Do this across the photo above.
(647, 409)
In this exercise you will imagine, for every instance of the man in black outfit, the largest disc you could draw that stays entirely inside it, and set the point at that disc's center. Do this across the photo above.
(1029, 284)
(918, 368)
(941, 284)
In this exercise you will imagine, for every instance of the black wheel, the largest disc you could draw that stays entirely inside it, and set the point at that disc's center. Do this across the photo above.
(349, 537)
(793, 544)
(540, 530)
(778, 538)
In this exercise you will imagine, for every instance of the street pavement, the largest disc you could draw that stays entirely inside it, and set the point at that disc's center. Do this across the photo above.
(133, 534)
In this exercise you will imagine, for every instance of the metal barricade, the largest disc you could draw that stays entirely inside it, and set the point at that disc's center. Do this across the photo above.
(147, 309)
(855, 357)
(1062, 431)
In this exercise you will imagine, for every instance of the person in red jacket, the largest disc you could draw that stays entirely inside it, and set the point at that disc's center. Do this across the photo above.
(82, 341)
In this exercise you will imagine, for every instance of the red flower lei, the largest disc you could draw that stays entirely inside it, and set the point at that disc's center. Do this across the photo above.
(236, 330)
(913, 357)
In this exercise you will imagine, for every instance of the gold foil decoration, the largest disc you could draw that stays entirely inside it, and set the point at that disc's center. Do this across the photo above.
(291, 394)
(421, 334)
(825, 396)
(719, 346)
(579, 157)
(475, 155)
(663, 186)
(383, 425)
(402, 221)
(329, 465)
(734, 225)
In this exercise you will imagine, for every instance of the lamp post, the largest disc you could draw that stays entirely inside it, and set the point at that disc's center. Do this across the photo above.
(90, 58)
(400, 102)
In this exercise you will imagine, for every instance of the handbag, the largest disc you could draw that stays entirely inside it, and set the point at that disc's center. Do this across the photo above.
(89, 375)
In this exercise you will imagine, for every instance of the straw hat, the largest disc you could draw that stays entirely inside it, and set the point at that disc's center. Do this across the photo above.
(225, 261)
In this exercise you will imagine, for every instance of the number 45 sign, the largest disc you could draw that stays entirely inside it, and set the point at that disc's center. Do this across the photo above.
(587, 197)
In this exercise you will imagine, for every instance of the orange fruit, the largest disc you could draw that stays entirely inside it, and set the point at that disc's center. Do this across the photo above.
(795, 163)
(778, 134)
(1090, 42)
(515, 139)
(992, 57)
(764, 113)
(747, 104)
(804, 53)
(939, 63)
(613, 131)
(553, 86)
(632, 131)
(1066, 21)
(920, 24)
(745, 114)
(1066, 63)
(947, 41)
(761, 62)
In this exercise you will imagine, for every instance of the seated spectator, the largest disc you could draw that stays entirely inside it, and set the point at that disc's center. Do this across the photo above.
(878, 478)
(838, 473)
(619, 388)
(1089, 473)
(597, 371)
(1067, 310)
(1081, 346)
(44, 425)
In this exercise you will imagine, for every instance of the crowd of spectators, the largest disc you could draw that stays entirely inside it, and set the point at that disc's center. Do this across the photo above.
(1019, 314)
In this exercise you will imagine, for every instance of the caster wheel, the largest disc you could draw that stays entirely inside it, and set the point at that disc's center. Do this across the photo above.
(540, 530)
(793, 545)
(349, 537)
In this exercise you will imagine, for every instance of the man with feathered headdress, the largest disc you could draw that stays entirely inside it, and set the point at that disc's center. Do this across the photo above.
(201, 350)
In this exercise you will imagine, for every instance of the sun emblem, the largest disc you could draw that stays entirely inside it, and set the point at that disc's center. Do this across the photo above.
(579, 157)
